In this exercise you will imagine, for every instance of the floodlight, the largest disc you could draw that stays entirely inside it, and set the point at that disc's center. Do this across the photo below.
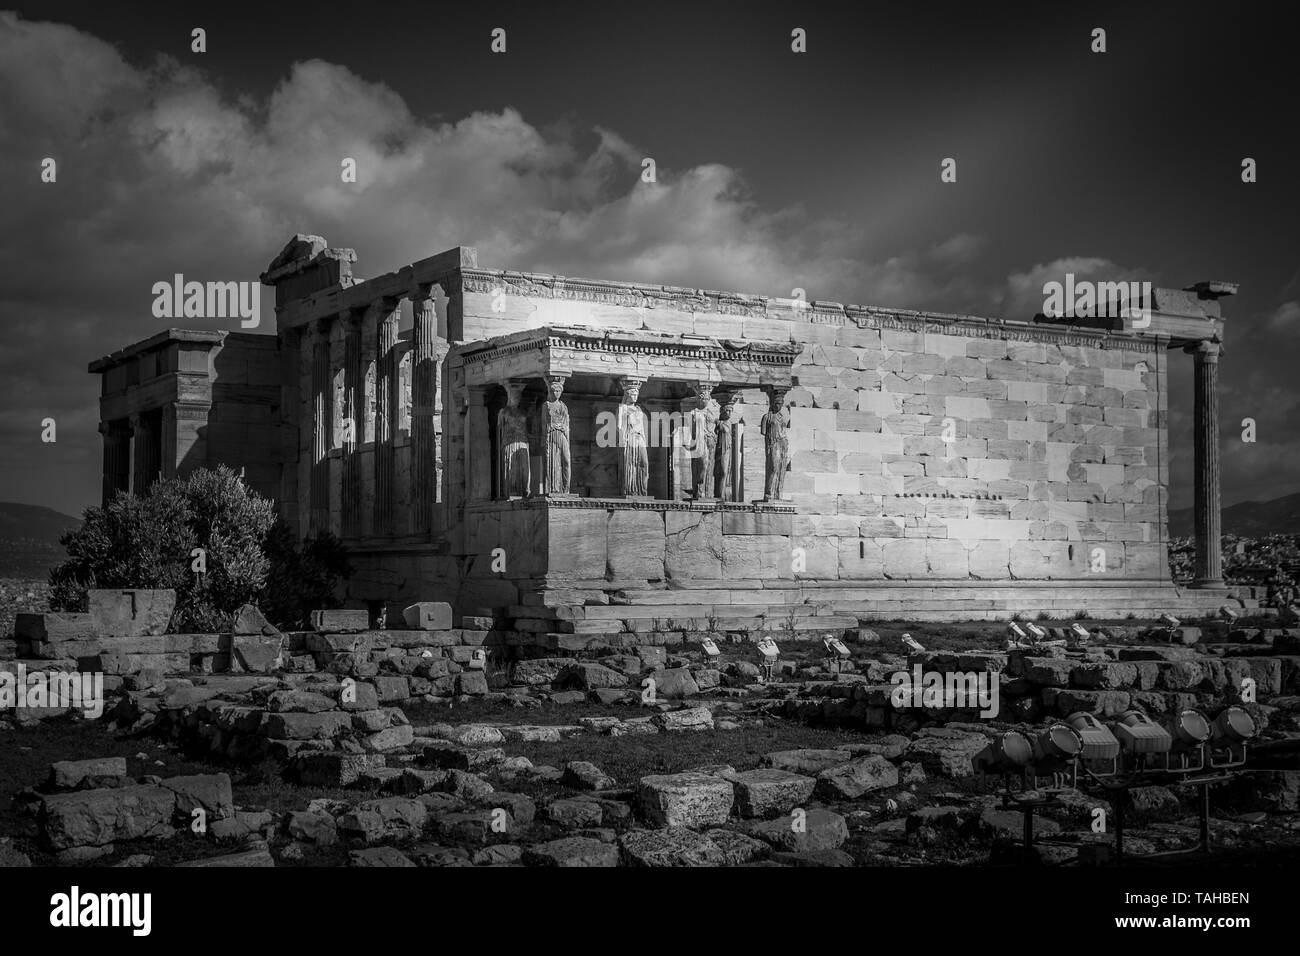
(911, 642)
(1227, 613)
(710, 648)
(1169, 620)
(1100, 753)
(835, 647)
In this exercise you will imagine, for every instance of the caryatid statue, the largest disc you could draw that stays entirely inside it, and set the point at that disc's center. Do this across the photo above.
(555, 429)
(773, 427)
(706, 438)
(725, 436)
(633, 431)
(512, 432)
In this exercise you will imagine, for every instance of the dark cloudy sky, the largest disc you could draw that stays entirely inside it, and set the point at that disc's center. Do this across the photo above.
(776, 170)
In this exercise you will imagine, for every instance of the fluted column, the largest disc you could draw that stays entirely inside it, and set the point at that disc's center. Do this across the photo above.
(424, 383)
(117, 458)
(145, 453)
(354, 398)
(386, 415)
(1209, 560)
(320, 429)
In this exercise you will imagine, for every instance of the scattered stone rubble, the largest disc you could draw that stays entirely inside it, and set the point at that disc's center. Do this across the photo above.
(330, 706)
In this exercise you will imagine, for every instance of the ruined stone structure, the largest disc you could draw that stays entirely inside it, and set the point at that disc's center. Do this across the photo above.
(938, 465)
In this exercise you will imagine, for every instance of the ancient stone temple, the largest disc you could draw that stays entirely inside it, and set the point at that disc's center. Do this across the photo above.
(593, 454)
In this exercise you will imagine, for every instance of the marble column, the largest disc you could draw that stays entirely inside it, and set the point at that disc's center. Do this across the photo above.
(354, 398)
(145, 453)
(117, 458)
(424, 384)
(320, 429)
(386, 399)
(1209, 560)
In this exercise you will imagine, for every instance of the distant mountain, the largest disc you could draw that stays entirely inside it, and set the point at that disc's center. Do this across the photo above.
(1250, 518)
(29, 539)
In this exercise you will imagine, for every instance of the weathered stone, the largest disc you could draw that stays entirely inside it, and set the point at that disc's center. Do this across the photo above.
(581, 775)
(572, 851)
(675, 846)
(395, 818)
(100, 817)
(322, 726)
(429, 616)
(767, 792)
(674, 683)
(298, 701)
(313, 827)
(806, 761)
(862, 775)
(131, 611)
(685, 799)
(588, 676)
(379, 856)
(688, 719)
(804, 832)
(84, 774)
(209, 791)
(259, 857)
(944, 751)
(339, 621)
(575, 813)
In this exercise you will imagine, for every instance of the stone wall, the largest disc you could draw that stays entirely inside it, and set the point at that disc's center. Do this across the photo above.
(922, 447)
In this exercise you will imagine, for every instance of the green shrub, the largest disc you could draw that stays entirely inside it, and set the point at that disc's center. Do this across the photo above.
(149, 541)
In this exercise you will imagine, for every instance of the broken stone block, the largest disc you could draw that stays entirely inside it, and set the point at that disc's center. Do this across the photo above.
(586, 675)
(99, 817)
(388, 818)
(572, 851)
(543, 670)
(674, 683)
(687, 719)
(298, 702)
(806, 761)
(675, 846)
(449, 756)
(331, 768)
(767, 792)
(250, 620)
(379, 856)
(391, 738)
(209, 791)
(131, 612)
(56, 627)
(685, 799)
(313, 826)
(805, 832)
(88, 774)
(260, 856)
(255, 654)
(429, 616)
(339, 621)
(476, 623)
(946, 751)
(862, 775)
(575, 814)
(323, 726)
(392, 689)
(582, 775)
(471, 683)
